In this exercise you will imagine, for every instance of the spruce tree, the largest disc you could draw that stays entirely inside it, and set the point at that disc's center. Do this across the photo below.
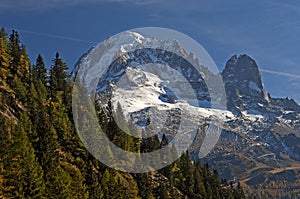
(58, 74)
(15, 51)
(20, 88)
(93, 181)
(166, 157)
(144, 185)
(3, 33)
(23, 176)
(199, 189)
(20, 62)
(5, 57)
(60, 82)
(187, 184)
(23, 69)
(57, 181)
(106, 184)
(39, 71)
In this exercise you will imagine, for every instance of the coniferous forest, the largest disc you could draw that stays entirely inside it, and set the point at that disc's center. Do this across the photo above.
(41, 155)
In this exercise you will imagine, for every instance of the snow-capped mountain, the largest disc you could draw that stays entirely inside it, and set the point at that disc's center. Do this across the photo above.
(157, 81)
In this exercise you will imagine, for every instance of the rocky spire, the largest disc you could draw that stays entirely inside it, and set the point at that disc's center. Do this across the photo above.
(243, 83)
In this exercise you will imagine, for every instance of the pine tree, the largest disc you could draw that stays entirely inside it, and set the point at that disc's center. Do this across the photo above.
(39, 71)
(144, 185)
(3, 33)
(66, 145)
(60, 82)
(199, 189)
(18, 86)
(60, 120)
(185, 164)
(37, 106)
(58, 74)
(176, 176)
(106, 184)
(92, 177)
(5, 137)
(5, 57)
(57, 181)
(77, 187)
(20, 62)
(15, 51)
(214, 182)
(166, 157)
(150, 144)
(23, 176)
(119, 137)
(23, 70)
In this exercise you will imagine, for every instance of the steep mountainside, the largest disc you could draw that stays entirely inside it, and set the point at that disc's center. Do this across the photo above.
(260, 139)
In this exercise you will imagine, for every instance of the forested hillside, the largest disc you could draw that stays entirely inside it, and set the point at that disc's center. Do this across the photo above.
(41, 155)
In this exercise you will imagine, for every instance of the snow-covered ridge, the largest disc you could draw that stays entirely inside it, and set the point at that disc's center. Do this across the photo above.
(141, 88)
(106, 52)
(254, 125)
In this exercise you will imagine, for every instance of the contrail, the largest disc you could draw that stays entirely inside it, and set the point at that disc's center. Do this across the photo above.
(53, 36)
(280, 73)
(273, 72)
(94, 42)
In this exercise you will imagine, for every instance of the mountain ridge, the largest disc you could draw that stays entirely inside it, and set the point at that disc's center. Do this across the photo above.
(258, 131)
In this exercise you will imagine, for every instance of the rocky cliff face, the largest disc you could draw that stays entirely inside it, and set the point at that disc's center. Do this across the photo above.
(243, 84)
(260, 135)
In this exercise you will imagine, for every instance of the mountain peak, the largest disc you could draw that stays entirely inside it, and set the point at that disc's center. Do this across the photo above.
(241, 64)
(242, 78)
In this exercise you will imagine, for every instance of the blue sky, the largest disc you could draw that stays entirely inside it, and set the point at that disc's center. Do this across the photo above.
(266, 30)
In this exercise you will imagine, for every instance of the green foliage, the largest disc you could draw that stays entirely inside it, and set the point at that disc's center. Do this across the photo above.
(58, 75)
(20, 89)
(22, 174)
(19, 65)
(5, 57)
(59, 81)
(39, 71)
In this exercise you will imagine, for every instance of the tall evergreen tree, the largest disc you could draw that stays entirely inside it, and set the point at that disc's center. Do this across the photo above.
(57, 181)
(23, 69)
(15, 51)
(23, 176)
(58, 75)
(5, 57)
(3, 33)
(39, 71)
(93, 180)
(20, 63)
(20, 88)
(199, 189)
(106, 184)
(60, 82)
(187, 184)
